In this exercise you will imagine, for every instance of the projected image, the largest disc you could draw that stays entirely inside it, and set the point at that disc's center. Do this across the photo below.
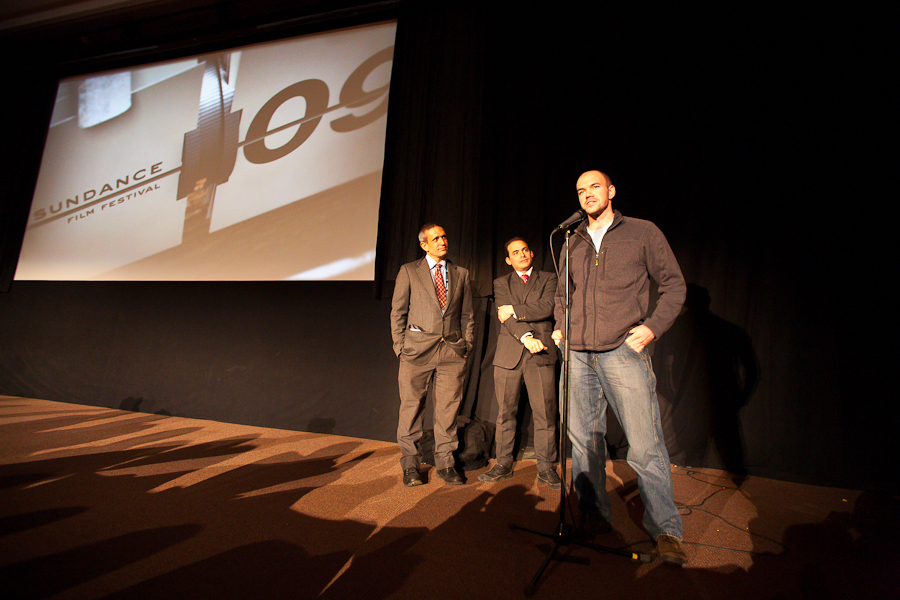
(259, 163)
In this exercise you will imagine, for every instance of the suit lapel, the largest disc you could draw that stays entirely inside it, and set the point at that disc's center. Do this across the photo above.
(519, 288)
(453, 276)
(534, 282)
(424, 274)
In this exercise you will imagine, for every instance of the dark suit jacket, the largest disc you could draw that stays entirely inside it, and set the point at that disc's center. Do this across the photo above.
(533, 305)
(415, 304)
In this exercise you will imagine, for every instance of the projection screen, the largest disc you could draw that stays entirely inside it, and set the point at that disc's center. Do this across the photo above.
(257, 163)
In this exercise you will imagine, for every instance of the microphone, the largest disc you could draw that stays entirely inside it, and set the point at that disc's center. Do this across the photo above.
(577, 216)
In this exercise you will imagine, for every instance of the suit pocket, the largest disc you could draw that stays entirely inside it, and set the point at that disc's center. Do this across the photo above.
(412, 342)
(459, 347)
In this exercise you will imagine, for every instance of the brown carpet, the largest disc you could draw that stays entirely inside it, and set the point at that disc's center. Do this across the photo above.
(101, 503)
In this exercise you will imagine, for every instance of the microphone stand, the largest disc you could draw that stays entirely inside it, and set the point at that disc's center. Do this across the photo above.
(562, 534)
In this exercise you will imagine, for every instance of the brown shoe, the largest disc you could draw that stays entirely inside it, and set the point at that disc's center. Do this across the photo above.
(670, 550)
(592, 522)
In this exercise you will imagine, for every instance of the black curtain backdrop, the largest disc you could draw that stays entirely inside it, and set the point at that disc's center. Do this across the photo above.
(759, 144)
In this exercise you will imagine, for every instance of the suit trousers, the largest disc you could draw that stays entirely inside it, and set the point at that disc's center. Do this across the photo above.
(446, 373)
(540, 381)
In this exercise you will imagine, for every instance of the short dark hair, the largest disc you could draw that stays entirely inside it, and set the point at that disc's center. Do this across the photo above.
(422, 237)
(515, 239)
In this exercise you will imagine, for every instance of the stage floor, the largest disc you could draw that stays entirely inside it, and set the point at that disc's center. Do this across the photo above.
(103, 503)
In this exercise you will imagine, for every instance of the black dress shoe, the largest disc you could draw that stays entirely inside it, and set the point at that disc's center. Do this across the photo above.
(411, 477)
(496, 473)
(550, 478)
(450, 476)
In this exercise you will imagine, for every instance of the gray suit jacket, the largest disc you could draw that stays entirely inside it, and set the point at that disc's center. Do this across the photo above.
(533, 305)
(415, 306)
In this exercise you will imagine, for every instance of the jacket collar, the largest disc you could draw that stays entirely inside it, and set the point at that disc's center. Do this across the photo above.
(582, 228)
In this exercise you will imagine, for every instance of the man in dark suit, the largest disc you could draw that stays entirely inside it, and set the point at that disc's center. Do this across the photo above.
(525, 351)
(433, 328)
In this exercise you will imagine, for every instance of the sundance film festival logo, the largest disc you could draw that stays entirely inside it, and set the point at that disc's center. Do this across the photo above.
(209, 152)
(109, 195)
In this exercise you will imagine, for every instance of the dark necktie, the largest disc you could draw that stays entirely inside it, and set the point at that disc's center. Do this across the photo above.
(439, 286)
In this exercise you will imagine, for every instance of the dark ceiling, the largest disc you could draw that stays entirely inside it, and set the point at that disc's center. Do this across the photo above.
(73, 35)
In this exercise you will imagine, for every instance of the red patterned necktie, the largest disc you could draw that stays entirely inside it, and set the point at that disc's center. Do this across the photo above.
(525, 277)
(439, 286)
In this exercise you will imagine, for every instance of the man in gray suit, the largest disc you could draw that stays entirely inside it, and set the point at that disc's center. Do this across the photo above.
(525, 351)
(433, 328)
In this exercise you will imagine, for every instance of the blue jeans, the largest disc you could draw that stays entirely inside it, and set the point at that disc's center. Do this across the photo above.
(624, 380)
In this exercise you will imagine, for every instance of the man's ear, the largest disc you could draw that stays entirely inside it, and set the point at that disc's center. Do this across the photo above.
(612, 191)
(509, 262)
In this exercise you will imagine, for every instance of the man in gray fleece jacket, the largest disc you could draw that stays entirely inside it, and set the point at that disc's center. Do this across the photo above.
(612, 261)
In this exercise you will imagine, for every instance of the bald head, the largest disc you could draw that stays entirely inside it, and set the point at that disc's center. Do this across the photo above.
(595, 191)
(600, 173)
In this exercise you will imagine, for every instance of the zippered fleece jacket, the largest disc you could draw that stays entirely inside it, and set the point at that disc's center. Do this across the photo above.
(609, 290)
